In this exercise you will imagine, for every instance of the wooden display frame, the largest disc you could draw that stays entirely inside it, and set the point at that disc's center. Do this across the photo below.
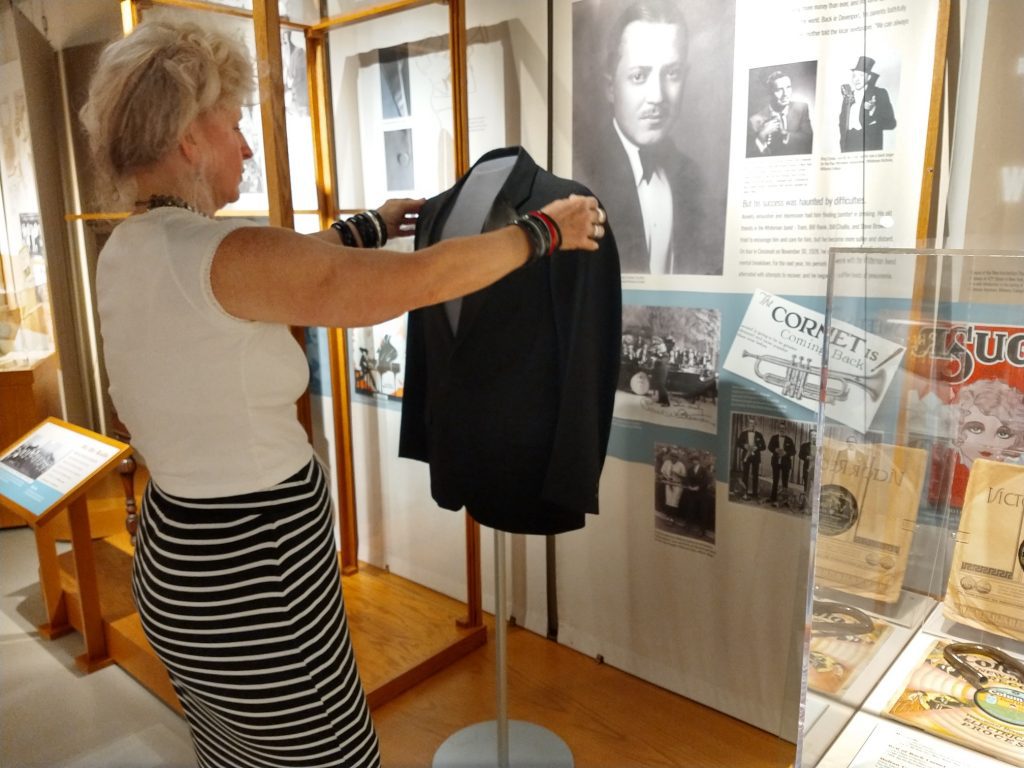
(56, 591)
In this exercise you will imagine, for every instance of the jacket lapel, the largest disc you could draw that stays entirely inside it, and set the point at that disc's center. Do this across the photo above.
(513, 195)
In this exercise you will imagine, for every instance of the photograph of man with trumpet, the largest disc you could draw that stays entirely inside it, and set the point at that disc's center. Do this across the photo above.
(749, 446)
(781, 488)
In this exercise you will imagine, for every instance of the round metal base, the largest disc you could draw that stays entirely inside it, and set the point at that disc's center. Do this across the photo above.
(528, 745)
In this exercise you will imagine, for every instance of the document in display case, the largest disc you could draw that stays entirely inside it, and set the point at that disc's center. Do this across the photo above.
(917, 605)
(986, 581)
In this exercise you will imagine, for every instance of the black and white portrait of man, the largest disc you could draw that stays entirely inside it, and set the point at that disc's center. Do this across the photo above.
(651, 107)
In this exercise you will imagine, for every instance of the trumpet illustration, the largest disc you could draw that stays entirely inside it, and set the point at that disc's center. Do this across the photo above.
(799, 379)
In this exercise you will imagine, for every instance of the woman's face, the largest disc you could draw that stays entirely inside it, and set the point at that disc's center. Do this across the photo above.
(225, 150)
(983, 436)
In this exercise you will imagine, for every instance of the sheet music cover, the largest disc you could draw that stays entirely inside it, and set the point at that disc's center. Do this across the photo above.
(986, 580)
(779, 346)
(838, 653)
(870, 494)
(938, 699)
(965, 386)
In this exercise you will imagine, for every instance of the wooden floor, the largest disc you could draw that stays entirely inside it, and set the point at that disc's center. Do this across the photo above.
(606, 717)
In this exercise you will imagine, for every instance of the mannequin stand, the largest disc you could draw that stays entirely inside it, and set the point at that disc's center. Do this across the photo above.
(501, 743)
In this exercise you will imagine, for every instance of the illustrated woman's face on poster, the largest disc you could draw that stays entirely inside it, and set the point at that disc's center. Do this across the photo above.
(647, 85)
(985, 436)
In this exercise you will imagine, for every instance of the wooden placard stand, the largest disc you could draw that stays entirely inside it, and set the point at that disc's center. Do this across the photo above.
(86, 457)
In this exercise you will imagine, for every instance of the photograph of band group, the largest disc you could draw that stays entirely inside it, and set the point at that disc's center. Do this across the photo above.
(684, 492)
(668, 366)
(772, 462)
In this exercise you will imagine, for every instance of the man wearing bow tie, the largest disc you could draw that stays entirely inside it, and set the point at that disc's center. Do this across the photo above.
(783, 127)
(651, 190)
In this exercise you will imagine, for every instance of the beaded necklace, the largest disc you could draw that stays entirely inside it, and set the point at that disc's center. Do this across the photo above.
(167, 201)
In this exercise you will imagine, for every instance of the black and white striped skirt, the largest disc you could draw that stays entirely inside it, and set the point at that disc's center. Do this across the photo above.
(241, 599)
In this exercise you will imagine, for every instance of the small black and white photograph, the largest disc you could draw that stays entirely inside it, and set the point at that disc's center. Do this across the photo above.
(668, 366)
(30, 459)
(395, 97)
(684, 492)
(398, 159)
(866, 95)
(780, 102)
(772, 462)
(647, 94)
(31, 233)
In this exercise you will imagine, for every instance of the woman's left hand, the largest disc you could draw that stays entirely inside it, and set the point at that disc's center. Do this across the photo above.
(399, 215)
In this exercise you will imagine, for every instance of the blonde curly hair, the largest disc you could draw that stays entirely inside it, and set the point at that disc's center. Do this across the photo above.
(148, 87)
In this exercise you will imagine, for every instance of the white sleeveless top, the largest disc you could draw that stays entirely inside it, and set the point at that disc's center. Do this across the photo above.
(209, 399)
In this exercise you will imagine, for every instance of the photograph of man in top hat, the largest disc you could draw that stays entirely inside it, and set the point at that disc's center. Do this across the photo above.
(649, 101)
(867, 110)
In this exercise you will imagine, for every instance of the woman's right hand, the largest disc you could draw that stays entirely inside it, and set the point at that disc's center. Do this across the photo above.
(580, 220)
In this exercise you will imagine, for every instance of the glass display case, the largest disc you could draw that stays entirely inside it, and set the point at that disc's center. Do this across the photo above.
(915, 649)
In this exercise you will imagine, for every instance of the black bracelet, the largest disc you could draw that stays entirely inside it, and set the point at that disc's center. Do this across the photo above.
(367, 230)
(538, 234)
(381, 225)
(345, 233)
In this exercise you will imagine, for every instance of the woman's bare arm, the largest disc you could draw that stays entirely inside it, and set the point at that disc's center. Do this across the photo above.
(276, 275)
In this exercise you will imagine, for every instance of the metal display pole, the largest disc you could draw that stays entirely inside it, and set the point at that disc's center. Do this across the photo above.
(501, 742)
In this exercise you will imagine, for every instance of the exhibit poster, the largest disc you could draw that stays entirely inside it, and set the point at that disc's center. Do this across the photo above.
(38, 471)
(987, 716)
(986, 579)
(743, 191)
(776, 133)
(831, 109)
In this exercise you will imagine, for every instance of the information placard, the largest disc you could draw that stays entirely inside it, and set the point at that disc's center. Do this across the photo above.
(51, 465)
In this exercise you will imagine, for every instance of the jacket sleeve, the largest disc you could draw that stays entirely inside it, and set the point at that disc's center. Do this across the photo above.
(587, 297)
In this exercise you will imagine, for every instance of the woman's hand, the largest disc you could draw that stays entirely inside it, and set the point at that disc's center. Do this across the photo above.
(580, 220)
(400, 216)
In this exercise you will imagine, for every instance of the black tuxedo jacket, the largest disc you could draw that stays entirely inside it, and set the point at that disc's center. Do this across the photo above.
(513, 411)
(602, 164)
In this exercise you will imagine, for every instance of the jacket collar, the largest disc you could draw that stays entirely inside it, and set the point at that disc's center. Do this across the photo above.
(514, 193)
